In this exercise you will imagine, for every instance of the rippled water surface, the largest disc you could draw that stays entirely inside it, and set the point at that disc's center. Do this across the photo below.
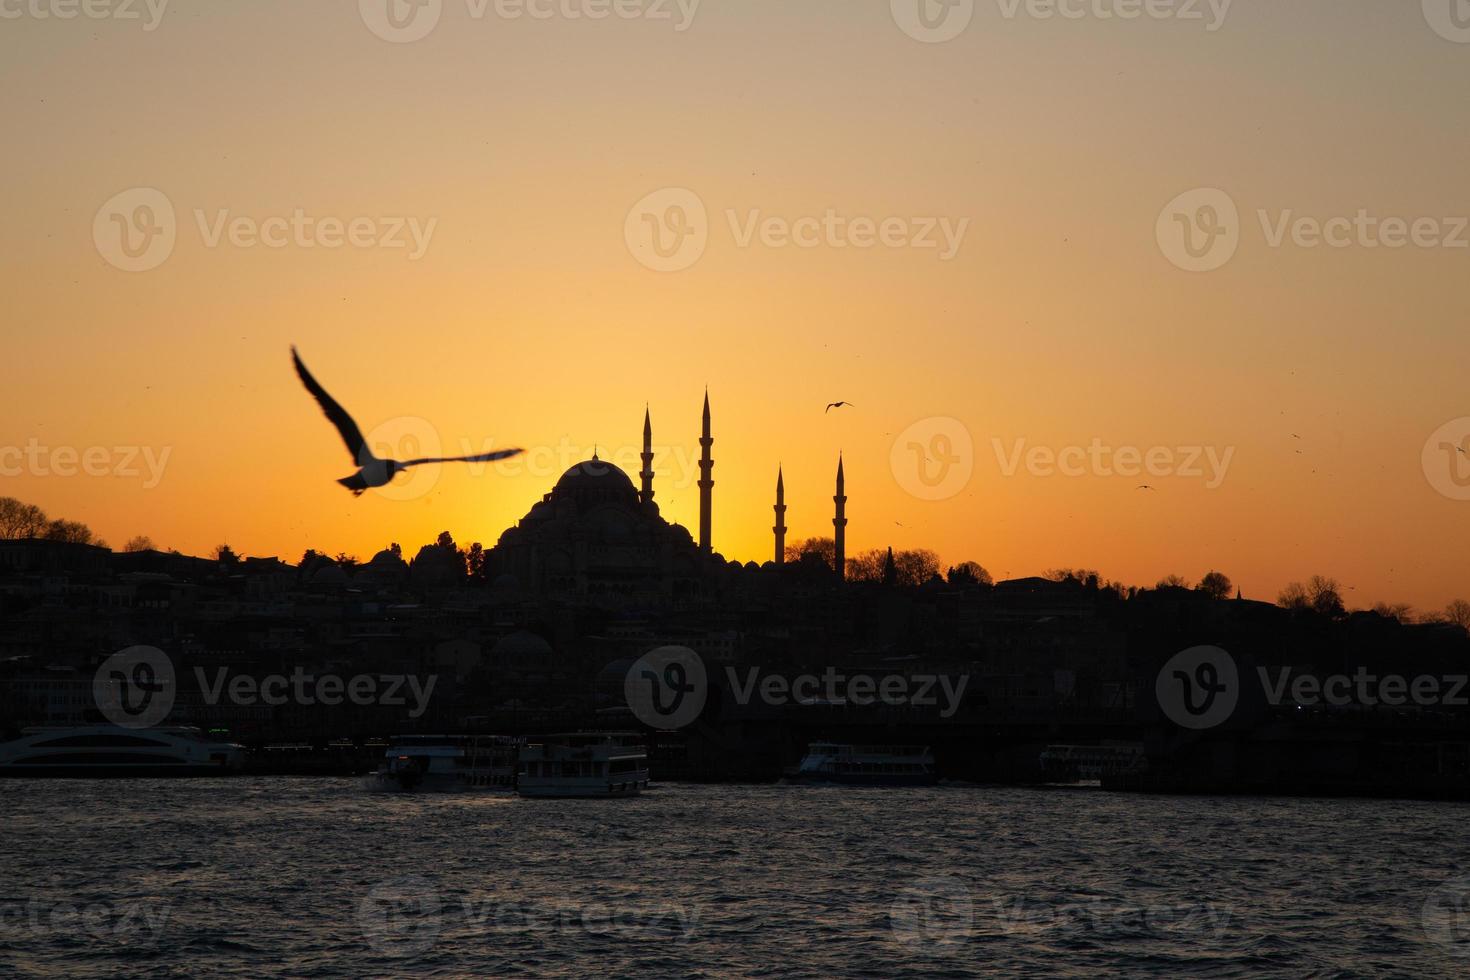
(318, 878)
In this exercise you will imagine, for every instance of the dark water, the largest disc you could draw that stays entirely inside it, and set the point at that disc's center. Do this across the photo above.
(317, 878)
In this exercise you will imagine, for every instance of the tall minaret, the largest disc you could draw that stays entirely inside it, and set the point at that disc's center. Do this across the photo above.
(706, 482)
(780, 527)
(839, 525)
(647, 474)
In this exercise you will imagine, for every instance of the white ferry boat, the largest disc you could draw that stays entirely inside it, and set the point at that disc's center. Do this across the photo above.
(866, 765)
(449, 763)
(583, 764)
(91, 751)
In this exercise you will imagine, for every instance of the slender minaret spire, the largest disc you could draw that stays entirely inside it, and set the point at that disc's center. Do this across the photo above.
(839, 525)
(647, 495)
(780, 527)
(706, 482)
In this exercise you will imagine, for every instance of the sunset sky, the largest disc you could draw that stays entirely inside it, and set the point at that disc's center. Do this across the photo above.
(532, 318)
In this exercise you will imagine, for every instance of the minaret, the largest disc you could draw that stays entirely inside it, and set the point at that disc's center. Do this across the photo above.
(780, 527)
(647, 495)
(706, 482)
(839, 525)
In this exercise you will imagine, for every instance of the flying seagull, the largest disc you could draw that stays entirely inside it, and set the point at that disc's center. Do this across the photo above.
(1143, 486)
(832, 405)
(372, 471)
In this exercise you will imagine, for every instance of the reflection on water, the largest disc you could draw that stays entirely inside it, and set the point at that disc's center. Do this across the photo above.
(319, 878)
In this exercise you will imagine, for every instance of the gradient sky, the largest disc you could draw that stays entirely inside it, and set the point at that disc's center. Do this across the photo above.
(529, 321)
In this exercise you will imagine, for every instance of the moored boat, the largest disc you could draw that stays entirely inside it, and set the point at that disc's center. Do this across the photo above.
(449, 763)
(865, 765)
(93, 751)
(591, 764)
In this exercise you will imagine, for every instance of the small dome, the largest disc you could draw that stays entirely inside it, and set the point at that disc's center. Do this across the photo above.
(521, 645)
(329, 575)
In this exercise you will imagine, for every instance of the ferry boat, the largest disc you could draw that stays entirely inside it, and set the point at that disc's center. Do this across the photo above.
(583, 764)
(866, 765)
(449, 763)
(1089, 763)
(91, 751)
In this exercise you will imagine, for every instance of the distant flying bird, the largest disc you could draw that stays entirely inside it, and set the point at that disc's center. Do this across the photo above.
(1143, 486)
(833, 405)
(372, 471)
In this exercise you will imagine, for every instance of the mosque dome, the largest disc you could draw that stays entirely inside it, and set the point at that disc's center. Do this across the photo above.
(593, 482)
